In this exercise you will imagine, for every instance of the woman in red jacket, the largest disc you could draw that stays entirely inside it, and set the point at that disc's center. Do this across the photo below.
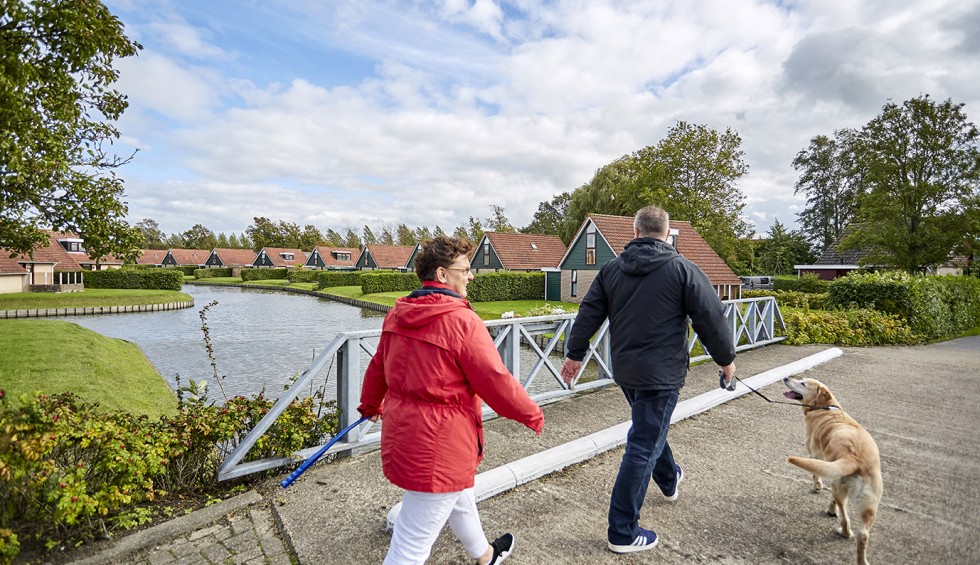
(435, 366)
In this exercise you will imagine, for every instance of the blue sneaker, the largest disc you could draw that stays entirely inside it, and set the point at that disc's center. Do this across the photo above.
(676, 494)
(644, 540)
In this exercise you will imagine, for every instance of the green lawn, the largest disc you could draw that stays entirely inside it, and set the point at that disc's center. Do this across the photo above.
(89, 298)
(54, 356)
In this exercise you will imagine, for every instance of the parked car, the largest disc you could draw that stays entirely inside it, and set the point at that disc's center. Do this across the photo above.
(754, 283)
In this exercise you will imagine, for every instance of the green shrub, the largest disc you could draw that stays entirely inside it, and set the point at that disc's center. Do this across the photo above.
(856, 328)
(388, 281)
(808, 282)
(186, 270)
(71, 471)
(932, 306)
(212, 272)
(300, 275)
(817, 301)
(156, 279)
(327, 279)
(495, 287)
(264, 274)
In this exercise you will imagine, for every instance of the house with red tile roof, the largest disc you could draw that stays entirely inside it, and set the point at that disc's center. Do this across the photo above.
(332, 258)
(517, 252)
(228, 257)
(279, 257)
(55, 266)
(186, 258)
(376, 256)
(152, 257)
(601, 238)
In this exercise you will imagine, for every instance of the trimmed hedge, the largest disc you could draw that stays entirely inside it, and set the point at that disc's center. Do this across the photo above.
(795, 299)
(212, 273)
(264, 274)
(301, 275)
(809, 282)
(856, 328)
(932, 306)
(388, 281)
(327, 279)
(494, 287)
(157, 279)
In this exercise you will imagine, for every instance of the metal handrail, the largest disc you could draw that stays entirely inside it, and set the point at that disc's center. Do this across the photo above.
(753, 322)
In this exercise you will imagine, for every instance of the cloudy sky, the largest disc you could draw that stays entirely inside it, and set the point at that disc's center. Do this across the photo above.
(343, 113)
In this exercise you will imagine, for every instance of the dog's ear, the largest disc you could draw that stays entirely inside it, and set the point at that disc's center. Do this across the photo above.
(824, 397)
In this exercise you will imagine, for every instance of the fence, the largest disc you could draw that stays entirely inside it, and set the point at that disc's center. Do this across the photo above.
(531, 348)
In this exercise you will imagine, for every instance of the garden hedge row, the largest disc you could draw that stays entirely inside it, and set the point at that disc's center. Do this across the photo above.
(327, 279)
(264, 274)
(809, 282)
(157, 279)
(388, 281)
(212, 273)
(494, 287)
(932, 306)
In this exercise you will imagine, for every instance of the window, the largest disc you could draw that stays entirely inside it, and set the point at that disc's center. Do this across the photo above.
(342, 256)
(486, 252)
(574, 283)
(286, 256)
(590, 245)
(672, 238)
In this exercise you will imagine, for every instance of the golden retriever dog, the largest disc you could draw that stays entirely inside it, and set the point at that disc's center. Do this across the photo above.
(841, 452)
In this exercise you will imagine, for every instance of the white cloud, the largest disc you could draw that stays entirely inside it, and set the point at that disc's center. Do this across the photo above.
(462, 104)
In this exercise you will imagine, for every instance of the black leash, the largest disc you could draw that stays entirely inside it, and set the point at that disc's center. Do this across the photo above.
(731, 387)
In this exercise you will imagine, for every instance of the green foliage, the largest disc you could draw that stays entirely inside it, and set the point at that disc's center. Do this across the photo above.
(932, 306)
(328, 279)
(808, 282)
(160, 279)
(186, 270)
(831, 184)
(781, 250)
(57, 105)
(856, 328)
(214, 272)
(300, 275)
(388, 281)
(492, 287)
(70, 470)
(920, 166)
(264, 274)
(792, 298)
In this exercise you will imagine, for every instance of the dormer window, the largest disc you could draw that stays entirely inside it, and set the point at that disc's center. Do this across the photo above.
(672, 238)
(341, 255)
(286, 256)
(72, 245)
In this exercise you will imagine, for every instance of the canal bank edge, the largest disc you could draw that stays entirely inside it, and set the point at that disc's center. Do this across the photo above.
(343, 299)
(49, 312)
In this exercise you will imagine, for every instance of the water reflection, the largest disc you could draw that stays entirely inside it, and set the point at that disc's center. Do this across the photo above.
(260, 338)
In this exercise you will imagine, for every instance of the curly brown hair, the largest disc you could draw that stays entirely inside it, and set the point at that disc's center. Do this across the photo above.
(440, 251)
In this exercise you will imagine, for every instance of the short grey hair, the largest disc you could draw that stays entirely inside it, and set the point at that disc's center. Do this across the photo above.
(652, 221)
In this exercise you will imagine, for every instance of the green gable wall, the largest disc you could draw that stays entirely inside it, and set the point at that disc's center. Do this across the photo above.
(477, 262)
(575, 259)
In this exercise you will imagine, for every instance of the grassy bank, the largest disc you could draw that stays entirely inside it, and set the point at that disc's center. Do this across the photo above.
(89, 298)
(54, 356)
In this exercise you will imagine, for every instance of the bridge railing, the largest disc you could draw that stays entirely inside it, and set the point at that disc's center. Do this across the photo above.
(532, 349)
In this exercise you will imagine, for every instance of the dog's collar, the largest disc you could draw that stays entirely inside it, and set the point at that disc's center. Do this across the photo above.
(812, 407)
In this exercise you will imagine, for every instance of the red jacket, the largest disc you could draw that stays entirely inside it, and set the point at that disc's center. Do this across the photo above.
(434, 364)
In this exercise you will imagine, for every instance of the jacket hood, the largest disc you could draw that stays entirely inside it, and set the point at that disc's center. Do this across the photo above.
(413, 313)
(644, 255)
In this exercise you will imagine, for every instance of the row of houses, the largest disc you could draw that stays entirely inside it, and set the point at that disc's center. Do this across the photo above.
(569, 271)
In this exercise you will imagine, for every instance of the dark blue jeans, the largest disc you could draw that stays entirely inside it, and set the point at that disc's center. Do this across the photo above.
(647, 456)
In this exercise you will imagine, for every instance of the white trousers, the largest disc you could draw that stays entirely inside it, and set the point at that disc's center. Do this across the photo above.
(422, 517)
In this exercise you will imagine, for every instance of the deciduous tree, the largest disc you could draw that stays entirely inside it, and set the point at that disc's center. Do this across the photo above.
(57, 108)
(922, 173)
(548, 219)
(153, 236)
(831, 183)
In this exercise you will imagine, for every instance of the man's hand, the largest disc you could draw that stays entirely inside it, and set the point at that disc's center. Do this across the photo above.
(729, 371)
(569, 369)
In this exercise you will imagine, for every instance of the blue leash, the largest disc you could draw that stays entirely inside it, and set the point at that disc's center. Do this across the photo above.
(316, 456)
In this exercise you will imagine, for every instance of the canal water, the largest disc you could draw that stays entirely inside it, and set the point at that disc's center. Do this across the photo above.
(260, 338)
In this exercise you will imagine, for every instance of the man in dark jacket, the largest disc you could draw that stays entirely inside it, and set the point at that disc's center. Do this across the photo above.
(648, 293)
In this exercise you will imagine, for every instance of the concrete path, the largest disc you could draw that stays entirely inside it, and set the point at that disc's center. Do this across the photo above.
(740, 502)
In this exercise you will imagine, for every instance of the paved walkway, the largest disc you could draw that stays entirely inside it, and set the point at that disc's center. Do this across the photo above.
(740, 502)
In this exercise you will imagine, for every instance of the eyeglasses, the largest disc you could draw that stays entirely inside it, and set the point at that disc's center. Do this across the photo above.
(464, 270)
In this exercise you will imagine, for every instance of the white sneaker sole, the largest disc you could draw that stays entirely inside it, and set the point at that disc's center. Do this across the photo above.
(632, 548)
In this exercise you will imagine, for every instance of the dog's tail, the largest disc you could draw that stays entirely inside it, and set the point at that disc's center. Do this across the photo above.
(830, 470)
